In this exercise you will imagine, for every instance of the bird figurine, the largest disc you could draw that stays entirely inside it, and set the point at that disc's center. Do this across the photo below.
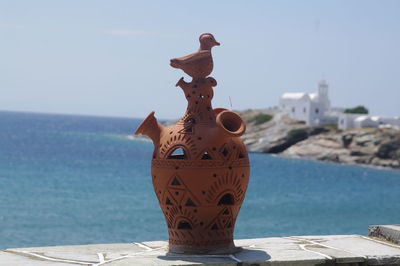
(199, 64)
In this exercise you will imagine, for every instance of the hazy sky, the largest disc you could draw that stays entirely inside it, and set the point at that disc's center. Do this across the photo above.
(112, 57)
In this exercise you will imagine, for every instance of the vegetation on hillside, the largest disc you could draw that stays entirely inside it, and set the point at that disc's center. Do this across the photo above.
(357, 110)
(262, 118)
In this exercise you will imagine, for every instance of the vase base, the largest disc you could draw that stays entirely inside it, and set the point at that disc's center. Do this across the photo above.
(204, 250)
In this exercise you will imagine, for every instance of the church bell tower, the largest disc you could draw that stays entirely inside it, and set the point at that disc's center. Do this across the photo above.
(323, 90)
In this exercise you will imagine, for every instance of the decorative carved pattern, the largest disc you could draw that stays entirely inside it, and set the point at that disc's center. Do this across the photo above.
(199, 163)
(223, 221)
(176, 193)
(178, 140)
(230, 183)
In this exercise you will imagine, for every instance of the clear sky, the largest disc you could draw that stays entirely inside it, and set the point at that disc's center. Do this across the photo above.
(112, 57)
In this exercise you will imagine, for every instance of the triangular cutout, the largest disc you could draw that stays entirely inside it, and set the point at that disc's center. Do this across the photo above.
(188, 129)
(229, 225)
(168, 202)
(175, 182)
(214, 227)
(225, 152)
(190, 203)
(206, 156)
(188, 126)
(241, 155)
(226, 212)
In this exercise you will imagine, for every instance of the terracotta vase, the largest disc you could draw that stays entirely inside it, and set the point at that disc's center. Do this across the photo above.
(200, 166)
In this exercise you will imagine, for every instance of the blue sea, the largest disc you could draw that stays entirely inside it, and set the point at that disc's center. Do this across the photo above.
(82, 179)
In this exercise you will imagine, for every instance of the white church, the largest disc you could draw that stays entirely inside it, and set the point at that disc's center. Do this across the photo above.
(315, 110)
(312, 108)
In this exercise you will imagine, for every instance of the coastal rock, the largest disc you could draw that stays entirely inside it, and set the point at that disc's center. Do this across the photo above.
(372, 146)
(276, 135)
(288, 137)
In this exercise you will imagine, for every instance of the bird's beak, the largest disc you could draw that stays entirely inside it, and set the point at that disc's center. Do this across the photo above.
(217, 43)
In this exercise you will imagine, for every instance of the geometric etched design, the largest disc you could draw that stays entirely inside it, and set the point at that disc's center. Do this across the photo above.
(223, 220)
(225, 152)
(175, 182)
(168, 202)
(206, 156)
(187, 130)
(181, 218)
(176, 193)
(226, 190)
(178, 140)
(214, 227)
(188, 126)
(190, 203)
(241, 155)
(199, 163)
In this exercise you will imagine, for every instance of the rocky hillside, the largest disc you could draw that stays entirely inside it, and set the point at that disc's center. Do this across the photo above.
(282, 135)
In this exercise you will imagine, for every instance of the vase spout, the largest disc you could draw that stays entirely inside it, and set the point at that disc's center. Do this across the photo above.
(230, 123)
(151, 128)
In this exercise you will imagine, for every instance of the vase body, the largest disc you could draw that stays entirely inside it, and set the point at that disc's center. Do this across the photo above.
(200, 172)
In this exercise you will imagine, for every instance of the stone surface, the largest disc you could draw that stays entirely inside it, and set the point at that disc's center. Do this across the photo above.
(369, 146)
(273, 136)
(296, 250)
(10, 259)
(387, 232)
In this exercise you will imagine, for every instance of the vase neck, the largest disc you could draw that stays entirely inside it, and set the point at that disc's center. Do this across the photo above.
(198, 93)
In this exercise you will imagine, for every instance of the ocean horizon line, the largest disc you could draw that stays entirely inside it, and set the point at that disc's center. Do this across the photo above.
(78, 114)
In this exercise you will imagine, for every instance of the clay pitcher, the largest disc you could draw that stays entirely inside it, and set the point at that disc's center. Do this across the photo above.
(200, 168)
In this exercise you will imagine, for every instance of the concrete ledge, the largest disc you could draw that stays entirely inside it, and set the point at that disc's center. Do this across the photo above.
(387, 232)
(297, 250)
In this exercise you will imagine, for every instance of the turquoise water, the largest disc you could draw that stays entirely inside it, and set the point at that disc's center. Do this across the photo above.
(79, 180)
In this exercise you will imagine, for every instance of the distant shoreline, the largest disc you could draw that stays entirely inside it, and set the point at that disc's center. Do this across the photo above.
(372, 147)
(368, 166)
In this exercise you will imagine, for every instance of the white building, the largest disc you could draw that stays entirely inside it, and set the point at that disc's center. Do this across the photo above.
(315, 110)
(348, 121)
(312, 108)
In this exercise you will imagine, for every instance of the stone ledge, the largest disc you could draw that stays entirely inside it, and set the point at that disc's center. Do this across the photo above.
(387, 232)
(296, 250)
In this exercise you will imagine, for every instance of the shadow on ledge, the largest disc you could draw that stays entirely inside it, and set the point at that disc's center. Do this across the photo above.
(245, 255)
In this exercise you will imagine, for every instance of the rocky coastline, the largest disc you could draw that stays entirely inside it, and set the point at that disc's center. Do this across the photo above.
(378, 147)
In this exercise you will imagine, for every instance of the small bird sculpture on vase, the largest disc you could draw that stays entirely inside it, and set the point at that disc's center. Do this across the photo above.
(199, 64)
